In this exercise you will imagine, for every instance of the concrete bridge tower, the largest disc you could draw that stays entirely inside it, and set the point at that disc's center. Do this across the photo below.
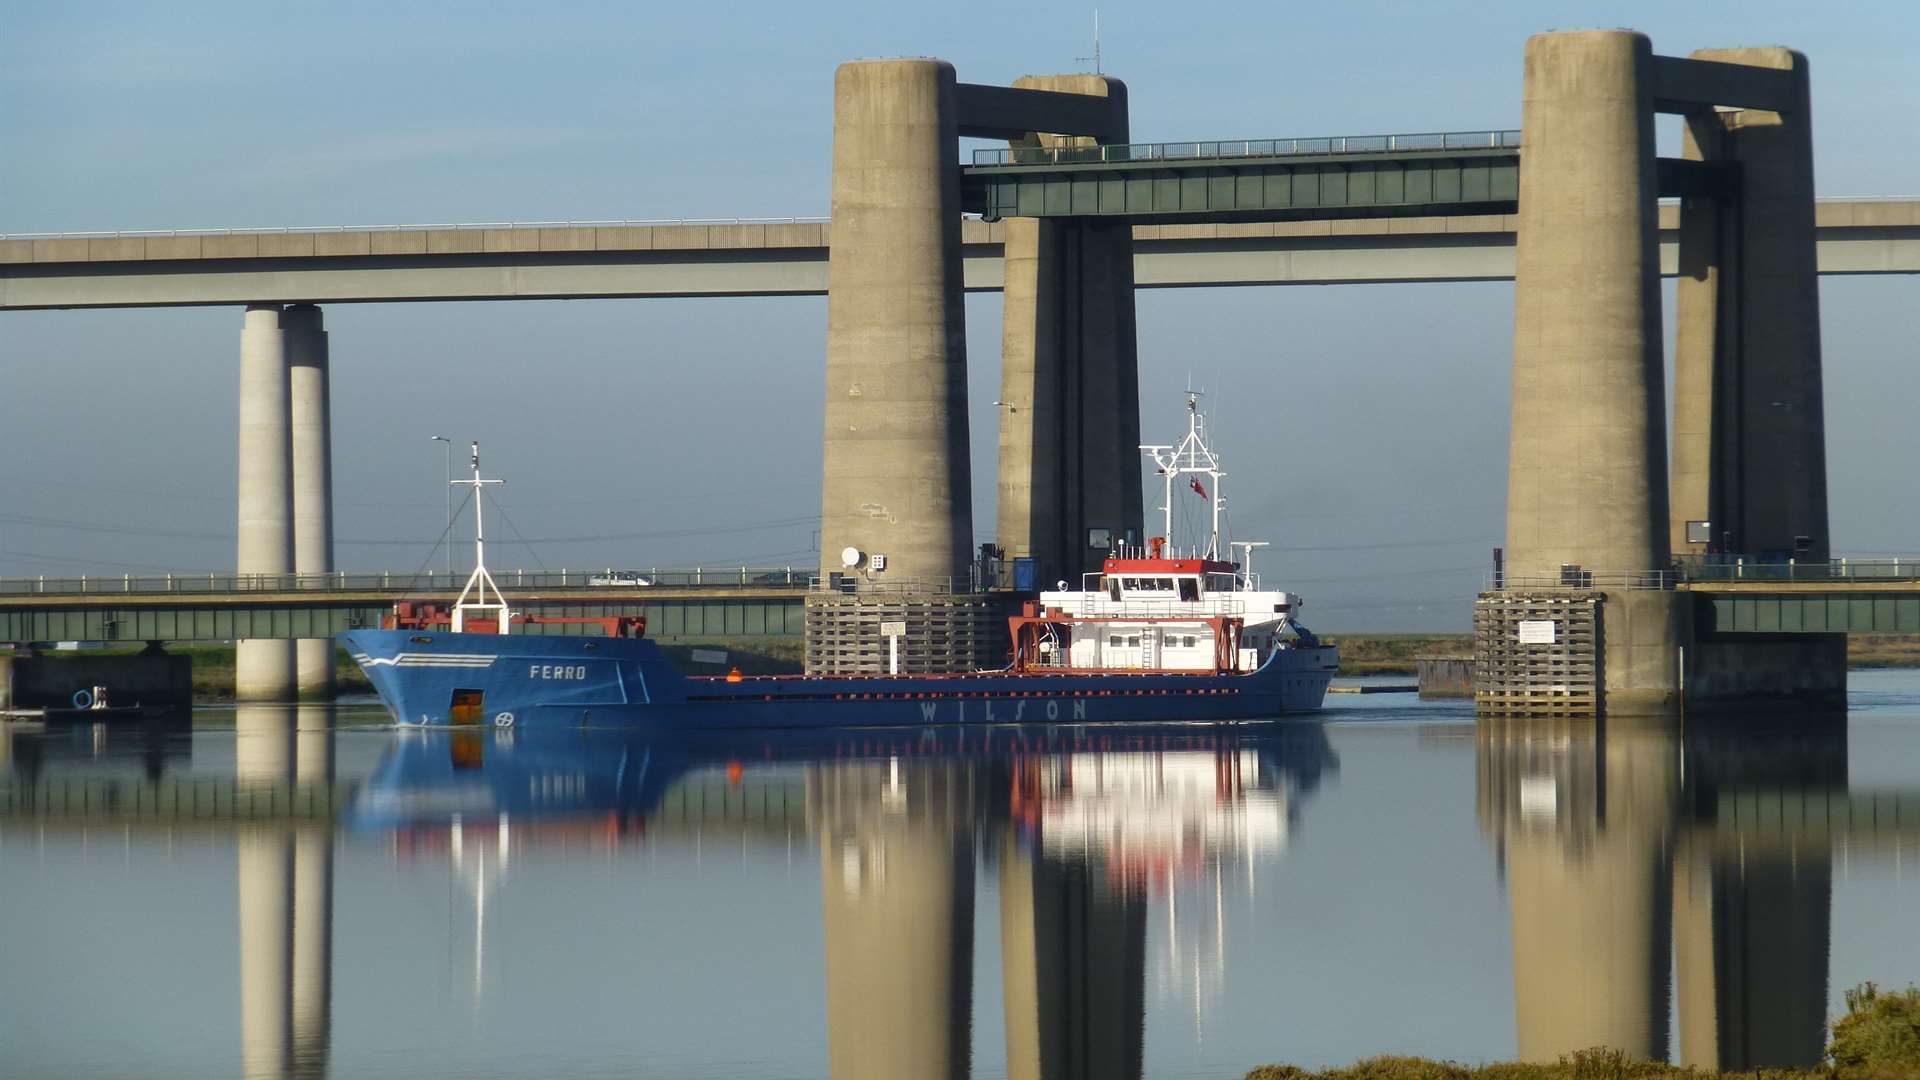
(896, 490)
(1069, 371)
(1591, 530)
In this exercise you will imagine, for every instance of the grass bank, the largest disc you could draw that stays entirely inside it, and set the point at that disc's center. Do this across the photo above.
(1878, 1039)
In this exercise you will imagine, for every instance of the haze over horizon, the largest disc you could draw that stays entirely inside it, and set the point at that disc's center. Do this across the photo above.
(1365, 428)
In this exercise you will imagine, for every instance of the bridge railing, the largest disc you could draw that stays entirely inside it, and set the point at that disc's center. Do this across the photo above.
(1715, 568)
(1710, 569)
(444, 226)
(1426, 141)
(403, 582)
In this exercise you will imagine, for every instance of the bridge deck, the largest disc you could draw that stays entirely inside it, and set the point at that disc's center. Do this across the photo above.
(582, 260)
(728, 610)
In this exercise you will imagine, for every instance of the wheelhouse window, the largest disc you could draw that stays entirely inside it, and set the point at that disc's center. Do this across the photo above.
(1189, 588)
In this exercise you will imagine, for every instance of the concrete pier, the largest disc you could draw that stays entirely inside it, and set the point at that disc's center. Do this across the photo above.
(263, 669)
(1749, 420)
(1587, 471)
(896, 476)
(312, 478)
(1069, 376)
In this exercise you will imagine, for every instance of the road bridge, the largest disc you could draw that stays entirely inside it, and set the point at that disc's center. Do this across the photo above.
(577, 260)
(736, 602)
(1570, 211)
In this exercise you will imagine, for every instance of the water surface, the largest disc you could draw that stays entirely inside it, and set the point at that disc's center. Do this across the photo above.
(296, 892)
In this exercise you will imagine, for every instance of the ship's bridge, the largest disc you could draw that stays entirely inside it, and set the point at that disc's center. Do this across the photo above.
(1163, 579)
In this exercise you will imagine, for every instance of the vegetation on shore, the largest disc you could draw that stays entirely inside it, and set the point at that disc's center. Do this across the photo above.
(1878, 1039)
(1394, 654)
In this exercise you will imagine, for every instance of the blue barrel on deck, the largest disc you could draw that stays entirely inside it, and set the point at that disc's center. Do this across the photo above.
(1026, 573)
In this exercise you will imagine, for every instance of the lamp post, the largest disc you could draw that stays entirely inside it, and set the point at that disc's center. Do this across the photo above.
(449, 489)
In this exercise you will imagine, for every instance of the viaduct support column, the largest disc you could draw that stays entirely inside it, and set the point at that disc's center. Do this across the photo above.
(1749, 419)
(1070, 428)
(263, 668)
(312, 450)
(1587, 484)
(897, 479)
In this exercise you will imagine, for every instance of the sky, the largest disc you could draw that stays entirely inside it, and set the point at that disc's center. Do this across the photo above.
(1364, 427)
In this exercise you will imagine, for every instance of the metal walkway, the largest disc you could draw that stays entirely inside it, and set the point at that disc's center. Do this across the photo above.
(705, 602)
(1422, 174)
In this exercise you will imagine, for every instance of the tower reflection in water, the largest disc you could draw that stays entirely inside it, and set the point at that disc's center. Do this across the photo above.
(1635, 858)
(285, 891)
(1076, 834)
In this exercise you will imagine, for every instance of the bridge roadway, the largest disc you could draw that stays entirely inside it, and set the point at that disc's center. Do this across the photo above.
(1846, 596)
(741, 602)
(618, 259)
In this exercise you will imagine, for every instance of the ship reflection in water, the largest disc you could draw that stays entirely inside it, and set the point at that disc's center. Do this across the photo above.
(1078, 830)
(607, 895)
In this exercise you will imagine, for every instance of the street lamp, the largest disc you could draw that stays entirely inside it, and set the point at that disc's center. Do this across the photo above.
(449, 489)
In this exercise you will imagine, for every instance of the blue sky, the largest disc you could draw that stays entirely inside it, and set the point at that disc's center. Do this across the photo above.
(625, 420)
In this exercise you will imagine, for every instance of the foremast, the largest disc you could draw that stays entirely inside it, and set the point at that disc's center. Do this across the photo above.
(480, 584)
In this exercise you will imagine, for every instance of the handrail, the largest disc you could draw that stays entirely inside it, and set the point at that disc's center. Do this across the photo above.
(307, 230)
(1716, 569)
(1415, 142)
(404, 583)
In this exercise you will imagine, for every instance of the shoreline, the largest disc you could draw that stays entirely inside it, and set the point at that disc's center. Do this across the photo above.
(1360, 655)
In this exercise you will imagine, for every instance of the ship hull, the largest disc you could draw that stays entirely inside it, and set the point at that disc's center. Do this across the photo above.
(555, 681)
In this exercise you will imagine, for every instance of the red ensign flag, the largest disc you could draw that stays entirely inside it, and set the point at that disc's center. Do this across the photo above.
(1197, 489)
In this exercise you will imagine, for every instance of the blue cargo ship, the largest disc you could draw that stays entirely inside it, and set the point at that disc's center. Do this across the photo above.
(1158, 634)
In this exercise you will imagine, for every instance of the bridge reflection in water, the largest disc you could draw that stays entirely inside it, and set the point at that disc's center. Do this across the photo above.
(1078, 830)
(1643, 868)
(1638, 859)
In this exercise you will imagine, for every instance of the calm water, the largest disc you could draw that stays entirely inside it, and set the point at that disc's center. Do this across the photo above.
(937, 903)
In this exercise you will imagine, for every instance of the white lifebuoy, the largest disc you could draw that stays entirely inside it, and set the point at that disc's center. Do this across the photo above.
(504, 719)
(83, 699)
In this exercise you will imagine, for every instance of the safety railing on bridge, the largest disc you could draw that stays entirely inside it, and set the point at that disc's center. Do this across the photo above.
(1872, 569)
(1713, 568)
(411, 583)
(1133, 153)
(445, 226)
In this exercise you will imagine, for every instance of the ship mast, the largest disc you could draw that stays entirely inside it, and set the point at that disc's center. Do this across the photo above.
(479, 583)
(1193, 458)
